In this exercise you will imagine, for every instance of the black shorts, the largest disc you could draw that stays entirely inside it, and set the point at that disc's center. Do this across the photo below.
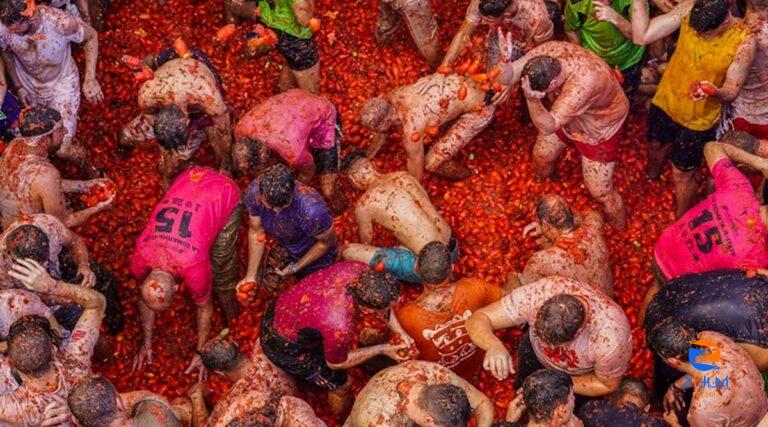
(723, 301)
(301, 54)
(303, 358)
(687, 144)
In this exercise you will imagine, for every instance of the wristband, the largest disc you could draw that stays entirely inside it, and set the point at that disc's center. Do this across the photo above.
(293, 268)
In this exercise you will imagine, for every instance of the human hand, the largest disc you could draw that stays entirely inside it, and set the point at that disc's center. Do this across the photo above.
(498, 361)
(395, 352)
(673, 399)
(516, 409)
(89, 277)
(23, 96)
(56, 413)
(32, 275)
(105, 204)
(509, 49)
(197, 391)
(197, 364)
(534, 229)
(530, 93)
(604, 12)
(143, 357)
(92, 91)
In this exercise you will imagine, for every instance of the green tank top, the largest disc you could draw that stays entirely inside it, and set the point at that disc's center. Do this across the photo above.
(603, 38)
(278, 14)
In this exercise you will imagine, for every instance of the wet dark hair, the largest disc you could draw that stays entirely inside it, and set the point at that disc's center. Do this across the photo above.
(633, 387)
(37, 120)
(707, 15)
(556, 211)
(559, 318)
(277, 185)
(252, 155)
(10, 11)
(671, 339)
(171, 128)
(506, 424)
(93, 401)
(30, 344)
(541, 70)
(447, 404)
(555, 15)
(262, 416)
(221, 354)
(350, 159)
(28, 241)
(434, 263)
(740, 139)
(374, 290)
(493, 8)
(545, 390)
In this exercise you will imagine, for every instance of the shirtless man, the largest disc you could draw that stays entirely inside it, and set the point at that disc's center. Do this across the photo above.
(256, 385)
(420, 20)
(183, 100)
(30, 184)
(728, 229)
(436, 319)
(572, 328)
(191, 235)
(585, 106)
(95, 402)
(421, 108)
(397, 202)
(37, 53)
(303, 130)
(419, 393)
(17, 303)
(548, 398)
(572, 247)
(741, 403)
(528, 20)
(299, 337)
(33, 353)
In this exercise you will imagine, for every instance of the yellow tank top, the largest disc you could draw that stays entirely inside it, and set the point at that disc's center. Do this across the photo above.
(698, 58)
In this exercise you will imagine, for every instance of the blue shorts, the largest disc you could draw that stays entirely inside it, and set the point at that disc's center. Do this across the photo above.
(401, 263)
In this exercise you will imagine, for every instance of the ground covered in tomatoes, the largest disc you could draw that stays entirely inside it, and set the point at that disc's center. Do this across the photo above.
(487, 211)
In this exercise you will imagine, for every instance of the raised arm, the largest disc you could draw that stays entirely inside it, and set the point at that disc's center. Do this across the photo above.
(480, 327)
(646, 31)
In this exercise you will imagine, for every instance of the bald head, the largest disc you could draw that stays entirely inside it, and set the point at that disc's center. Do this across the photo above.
(375, 115)
(158, 290)
(556, 211)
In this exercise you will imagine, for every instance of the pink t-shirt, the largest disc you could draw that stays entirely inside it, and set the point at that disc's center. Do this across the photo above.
(603, 346)
(17, 303)
(723, 231)
(742, 402)
(290, 124)
(320, 301)
(183, 227)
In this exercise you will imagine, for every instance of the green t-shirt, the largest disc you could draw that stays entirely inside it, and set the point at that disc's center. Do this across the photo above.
(280, 16)
(603, 38)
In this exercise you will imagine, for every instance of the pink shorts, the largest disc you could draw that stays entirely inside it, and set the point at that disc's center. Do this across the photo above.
(605, 152)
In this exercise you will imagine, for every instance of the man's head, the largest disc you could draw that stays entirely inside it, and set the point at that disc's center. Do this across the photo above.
(39, 124)
(15, 15)
(250, 157)
(95, 402)
(277, 186)
(158, 290)
(555, 215)
(671, 339)
(259, 414)
(709, 17)
(171, 128)
(28, 241)
(740, 139)
(437, 405)
(544, 73)
(30, 345)
(493, 8)
(631, 390)
(559, 319)
(374, 290)
(358, 169)
(548, 396)
(434, 264)
(378, 115)
(221, 355)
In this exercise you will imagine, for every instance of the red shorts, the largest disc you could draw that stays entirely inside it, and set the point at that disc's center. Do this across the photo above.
(605, 152)
(758, 131)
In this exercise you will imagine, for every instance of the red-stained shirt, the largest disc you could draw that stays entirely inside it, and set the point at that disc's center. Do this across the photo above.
(724, 231)
(183, 227)
(320, 301)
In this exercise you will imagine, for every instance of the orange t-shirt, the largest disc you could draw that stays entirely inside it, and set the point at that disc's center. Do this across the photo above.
(442, 336)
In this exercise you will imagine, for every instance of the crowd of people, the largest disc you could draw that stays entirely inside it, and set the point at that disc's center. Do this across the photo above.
(699, 66)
